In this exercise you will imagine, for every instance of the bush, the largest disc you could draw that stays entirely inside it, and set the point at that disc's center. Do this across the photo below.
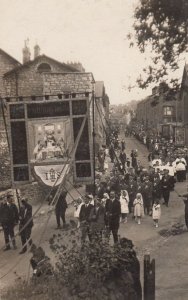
(91, 271)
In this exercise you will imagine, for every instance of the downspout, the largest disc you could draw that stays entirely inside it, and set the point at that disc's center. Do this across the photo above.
(16, 83)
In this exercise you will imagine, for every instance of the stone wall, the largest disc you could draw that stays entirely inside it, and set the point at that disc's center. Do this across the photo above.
(55, 83)
(6, 64)
(28, 80)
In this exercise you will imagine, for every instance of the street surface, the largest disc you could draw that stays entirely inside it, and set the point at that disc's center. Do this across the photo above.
(170, 252)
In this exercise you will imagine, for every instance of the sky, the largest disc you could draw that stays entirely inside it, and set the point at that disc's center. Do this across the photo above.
(93, 32)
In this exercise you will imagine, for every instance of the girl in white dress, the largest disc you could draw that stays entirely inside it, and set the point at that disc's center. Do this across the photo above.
(156, 213)
(124, 201)
(138, 208)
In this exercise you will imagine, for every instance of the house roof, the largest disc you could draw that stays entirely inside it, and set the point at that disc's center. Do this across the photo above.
(9, 56)
(27, 64)
(99, 89)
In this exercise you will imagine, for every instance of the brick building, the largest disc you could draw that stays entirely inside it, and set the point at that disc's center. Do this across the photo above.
(164, 114)
(45, 76)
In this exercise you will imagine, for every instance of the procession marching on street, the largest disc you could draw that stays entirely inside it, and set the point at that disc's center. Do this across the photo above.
(124, 192)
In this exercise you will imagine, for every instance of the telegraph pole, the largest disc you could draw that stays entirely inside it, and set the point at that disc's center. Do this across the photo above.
(93, 133)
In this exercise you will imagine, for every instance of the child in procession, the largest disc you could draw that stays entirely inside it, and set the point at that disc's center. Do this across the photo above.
(138, 208)
(124, 201)
(156, 212)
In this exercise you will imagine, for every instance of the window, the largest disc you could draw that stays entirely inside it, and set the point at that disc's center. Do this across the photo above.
(17, 111)
(44, 68)
(19, 142)
(83, 150)
(168, 110)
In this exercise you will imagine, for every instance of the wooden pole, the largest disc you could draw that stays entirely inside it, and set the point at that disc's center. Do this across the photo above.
(149, 278)
(93, 117)
(18, 199)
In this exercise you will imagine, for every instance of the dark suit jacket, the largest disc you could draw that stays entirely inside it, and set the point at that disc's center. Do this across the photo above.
(112, 213)
(165, 183)
(9, 214)
(25, 215)
(61, 203)
(85, 212)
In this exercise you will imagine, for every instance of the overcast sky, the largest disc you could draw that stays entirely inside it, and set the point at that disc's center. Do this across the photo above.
(90, 31)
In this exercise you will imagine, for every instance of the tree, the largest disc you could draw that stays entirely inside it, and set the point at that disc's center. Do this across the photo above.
(161, 26)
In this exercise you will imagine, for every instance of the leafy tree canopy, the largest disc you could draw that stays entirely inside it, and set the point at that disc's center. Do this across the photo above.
(161, 26)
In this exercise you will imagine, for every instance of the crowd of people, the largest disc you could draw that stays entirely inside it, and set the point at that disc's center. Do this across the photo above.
(123, 190)
(129, 190)
(156, 143)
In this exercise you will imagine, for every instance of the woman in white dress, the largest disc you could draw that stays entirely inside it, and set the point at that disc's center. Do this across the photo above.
(124, 201)
(138, 208)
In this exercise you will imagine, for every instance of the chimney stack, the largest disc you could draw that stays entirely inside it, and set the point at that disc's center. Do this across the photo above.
(36, 51)
(26, 52)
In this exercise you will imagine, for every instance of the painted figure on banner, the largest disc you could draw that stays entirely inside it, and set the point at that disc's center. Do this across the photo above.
(51, 141)
(50, 148)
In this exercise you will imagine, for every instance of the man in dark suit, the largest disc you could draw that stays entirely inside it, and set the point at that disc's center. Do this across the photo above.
(9, 218)
(165, 184)
(26, 224)
(84, 219)
(97, 220)
(123, 158)
(112, 215)
(147, 190)
(60, 209)
(132, 186)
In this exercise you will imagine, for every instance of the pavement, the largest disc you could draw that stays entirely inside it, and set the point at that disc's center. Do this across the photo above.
(170, 253)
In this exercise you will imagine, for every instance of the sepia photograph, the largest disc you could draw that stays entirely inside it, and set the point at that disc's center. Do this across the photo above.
(93, 149)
